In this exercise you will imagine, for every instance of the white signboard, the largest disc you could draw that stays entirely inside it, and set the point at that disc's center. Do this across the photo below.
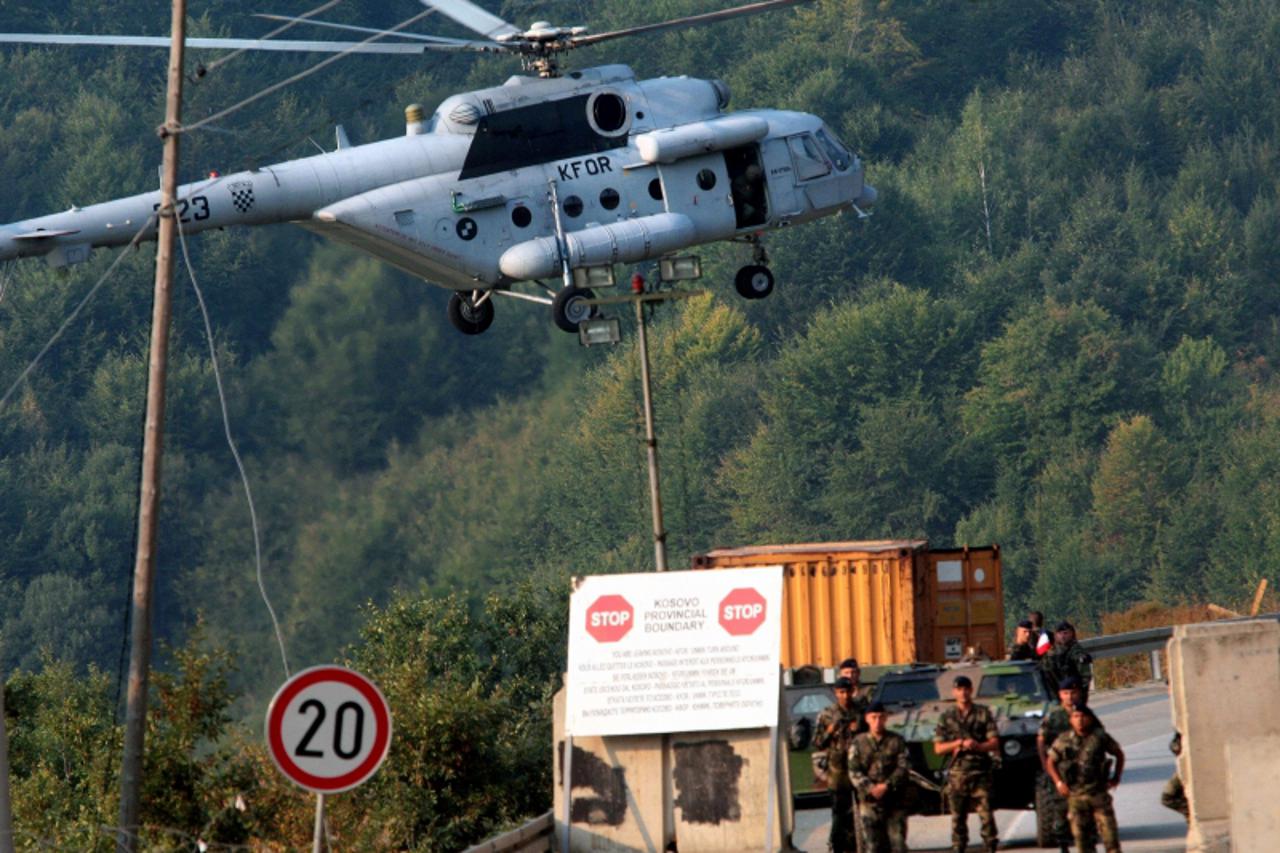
(675, 651)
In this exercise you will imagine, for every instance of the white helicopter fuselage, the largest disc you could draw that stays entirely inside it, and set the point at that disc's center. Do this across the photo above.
(632, 170)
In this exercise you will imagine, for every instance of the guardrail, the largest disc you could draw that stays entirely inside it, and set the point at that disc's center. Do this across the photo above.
(536, 836)
(1146, 640)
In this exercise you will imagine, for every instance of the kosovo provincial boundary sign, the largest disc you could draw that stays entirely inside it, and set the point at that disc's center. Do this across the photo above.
(674, 651)
(328, 729)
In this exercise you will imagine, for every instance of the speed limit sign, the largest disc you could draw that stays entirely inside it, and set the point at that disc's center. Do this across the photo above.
(328, 729)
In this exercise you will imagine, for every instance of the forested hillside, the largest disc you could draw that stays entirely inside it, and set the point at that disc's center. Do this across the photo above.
(1058, 332)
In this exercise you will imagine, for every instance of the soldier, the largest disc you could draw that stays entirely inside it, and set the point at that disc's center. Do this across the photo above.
(849, 669)
(968, 733)
(1043, 642)
(1067, 658)
(1056, 723)
(1079, 766)
(1174, 796)
(833, 733)
(878, 769)
(1023, 647)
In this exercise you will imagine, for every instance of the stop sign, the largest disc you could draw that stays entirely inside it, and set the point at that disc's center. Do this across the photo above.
(742, 611)
(609, 618)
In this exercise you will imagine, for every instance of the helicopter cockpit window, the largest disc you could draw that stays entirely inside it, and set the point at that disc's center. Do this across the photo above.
(835, 150)
(808, 159)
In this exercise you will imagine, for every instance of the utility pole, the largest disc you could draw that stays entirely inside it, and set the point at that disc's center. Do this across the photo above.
(135, 724)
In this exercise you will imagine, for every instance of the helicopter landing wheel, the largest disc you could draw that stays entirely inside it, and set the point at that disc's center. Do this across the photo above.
(468, 315)
(754, 282)
(569, 308)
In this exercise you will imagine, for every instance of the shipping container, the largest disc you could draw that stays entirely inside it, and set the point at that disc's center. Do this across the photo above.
(882, 602)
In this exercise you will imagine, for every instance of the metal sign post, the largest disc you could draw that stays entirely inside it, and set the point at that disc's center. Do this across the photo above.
(639, 299)
(566, 773)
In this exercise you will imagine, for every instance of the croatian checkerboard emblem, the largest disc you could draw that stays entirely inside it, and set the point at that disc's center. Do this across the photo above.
(242, 195)
(467, 228)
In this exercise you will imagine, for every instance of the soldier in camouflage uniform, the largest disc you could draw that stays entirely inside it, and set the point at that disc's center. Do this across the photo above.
(832, 735)
(879, 768)
(1056, 723)
(1079, 767)
(968, 733)
(1068, 658)
(1023, 647)
(1174, 796)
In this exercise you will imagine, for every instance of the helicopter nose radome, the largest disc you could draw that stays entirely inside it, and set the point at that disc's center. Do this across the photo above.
(868, 196)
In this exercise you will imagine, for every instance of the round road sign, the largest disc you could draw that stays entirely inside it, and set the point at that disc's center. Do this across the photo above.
(328, 729)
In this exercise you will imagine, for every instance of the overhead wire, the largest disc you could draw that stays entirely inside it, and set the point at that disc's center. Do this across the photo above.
(88, 297)
(231, 443)
(223, 60)
(325, 63)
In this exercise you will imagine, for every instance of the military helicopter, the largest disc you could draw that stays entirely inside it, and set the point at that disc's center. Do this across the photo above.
(549, 176)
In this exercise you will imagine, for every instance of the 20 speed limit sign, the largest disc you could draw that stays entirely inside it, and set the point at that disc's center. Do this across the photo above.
(328, 729)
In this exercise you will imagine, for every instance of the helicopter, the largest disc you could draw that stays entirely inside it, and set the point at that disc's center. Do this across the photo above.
(551, 175)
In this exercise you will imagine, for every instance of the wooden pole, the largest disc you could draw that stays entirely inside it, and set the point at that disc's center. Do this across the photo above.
(1257, 597)
(152, 450)
(6, 810)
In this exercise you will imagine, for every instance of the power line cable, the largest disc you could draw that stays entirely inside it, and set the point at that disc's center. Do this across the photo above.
(231, 443)
(88, 297)
(223, 60)
(325, 63)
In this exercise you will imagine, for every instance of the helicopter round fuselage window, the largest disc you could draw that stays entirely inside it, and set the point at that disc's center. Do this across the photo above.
(655, 189)
(609, 198)
(573, 206)
(608, 113)
(706, 179)
(520, 216)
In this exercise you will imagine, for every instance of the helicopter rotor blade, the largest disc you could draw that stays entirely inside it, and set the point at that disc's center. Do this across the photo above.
(473, 18)
(678, 23)
(281, 45)
(440, 41)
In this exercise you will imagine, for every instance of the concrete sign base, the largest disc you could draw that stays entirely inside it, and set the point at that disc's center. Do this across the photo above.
(706, 791)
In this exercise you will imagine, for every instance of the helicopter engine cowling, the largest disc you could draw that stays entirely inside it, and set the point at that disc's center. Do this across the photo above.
(622, 242)
(702, 137)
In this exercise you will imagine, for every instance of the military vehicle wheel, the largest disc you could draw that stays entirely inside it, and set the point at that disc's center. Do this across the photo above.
(467, 317)
(1045, 836)
(569, 308)
(754, 282)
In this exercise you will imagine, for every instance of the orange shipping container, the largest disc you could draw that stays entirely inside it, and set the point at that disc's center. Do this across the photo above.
(881, 602)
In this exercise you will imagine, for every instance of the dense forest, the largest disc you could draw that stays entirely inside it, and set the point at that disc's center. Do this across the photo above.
(1058, 332)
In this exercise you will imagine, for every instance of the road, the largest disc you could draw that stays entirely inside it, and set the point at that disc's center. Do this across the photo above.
(1138, 717)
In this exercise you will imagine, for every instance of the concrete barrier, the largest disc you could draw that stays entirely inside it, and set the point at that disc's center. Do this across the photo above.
(1253, 780)
(1225, 690)
(704, 792)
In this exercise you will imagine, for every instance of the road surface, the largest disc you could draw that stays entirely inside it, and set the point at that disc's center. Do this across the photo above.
(1139, 718)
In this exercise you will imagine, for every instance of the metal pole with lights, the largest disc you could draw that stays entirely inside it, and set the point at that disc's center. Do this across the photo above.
(606, 331)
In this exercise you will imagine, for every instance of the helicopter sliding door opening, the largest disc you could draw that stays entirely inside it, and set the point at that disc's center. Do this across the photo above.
(746, 182)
